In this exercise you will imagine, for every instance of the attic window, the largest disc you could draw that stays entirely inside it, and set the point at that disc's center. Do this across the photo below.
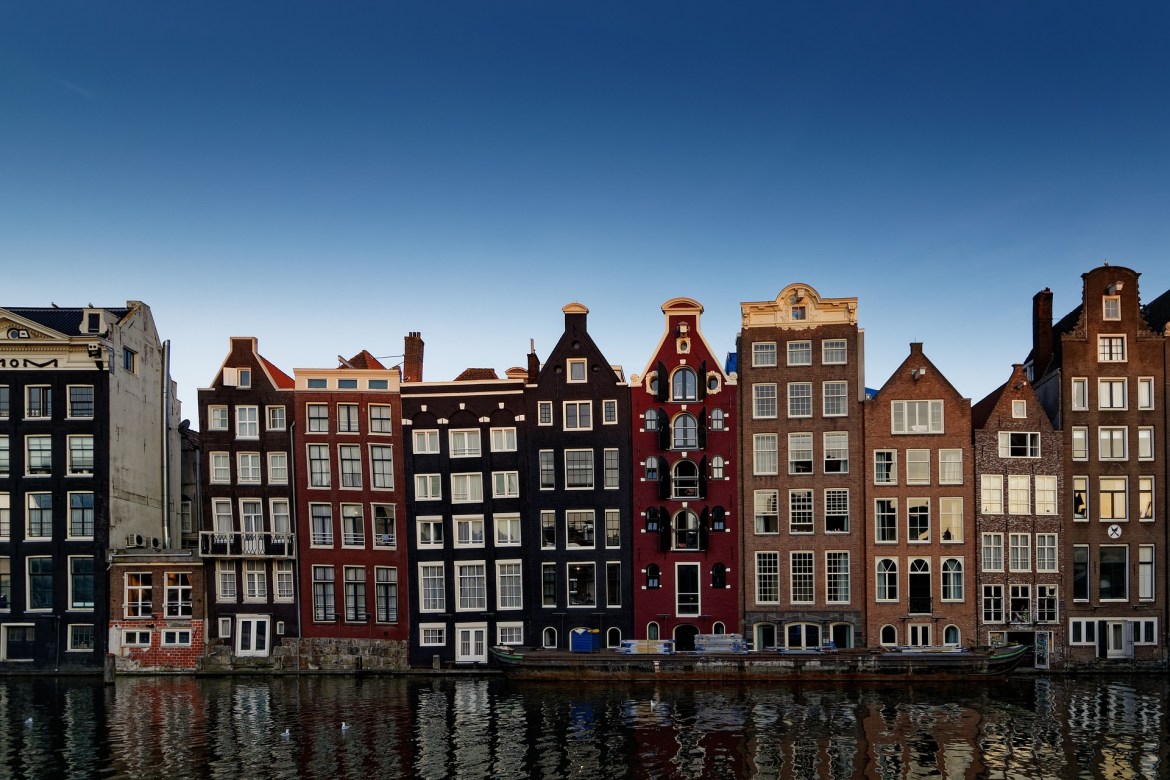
(1111, 307)
(347, 384)
(93, 322)
(1019, 409)
(799, 313)
(316, 384)
(245, 376)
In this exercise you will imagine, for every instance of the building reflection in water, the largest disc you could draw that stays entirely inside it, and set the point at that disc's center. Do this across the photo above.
(479, 727)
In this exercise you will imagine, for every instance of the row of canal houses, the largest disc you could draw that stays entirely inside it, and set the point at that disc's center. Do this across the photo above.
(359, 517)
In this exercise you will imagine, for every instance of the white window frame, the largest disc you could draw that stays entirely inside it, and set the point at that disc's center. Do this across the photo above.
(899, 417)
(503, 439)
(425, 441)
(763, 354)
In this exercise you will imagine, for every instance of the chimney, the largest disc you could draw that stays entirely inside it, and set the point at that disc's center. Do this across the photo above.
(1042, 341)
(412, 361)
(533, 362)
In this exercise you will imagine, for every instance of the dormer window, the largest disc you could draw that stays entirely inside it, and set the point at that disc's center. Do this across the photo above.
(1111, 307)
(799, 313)
(93, 322)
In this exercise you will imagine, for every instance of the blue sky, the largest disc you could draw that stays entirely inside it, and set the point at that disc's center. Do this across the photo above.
(328, 176)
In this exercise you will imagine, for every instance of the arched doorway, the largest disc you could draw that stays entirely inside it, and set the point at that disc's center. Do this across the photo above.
(684, 637)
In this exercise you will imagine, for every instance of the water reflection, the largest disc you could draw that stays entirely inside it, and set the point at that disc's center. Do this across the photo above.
(485, 727)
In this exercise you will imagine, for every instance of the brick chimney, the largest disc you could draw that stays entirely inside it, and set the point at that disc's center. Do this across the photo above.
(1042, 341)
(533, 363)
(412, 361)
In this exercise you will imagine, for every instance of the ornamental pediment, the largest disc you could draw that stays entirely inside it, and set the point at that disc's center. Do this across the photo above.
(18, 330)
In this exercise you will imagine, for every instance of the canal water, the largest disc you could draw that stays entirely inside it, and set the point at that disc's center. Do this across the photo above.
(470, 727)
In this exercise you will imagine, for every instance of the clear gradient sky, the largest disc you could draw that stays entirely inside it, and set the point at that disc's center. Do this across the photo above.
(329, 176)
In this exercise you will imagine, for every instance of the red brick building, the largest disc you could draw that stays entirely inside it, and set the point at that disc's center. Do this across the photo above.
(800, 368)
(920, 552)
(686, 528)
(157, 610)
(1019, 468)
(350, 508)
(1100, 373)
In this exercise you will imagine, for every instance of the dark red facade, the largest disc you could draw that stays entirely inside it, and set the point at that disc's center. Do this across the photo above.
(350, 513)
(686, 536)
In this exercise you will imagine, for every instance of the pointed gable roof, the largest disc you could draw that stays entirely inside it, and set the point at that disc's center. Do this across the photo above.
(362, 360)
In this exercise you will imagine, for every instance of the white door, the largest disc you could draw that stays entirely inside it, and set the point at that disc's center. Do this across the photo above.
(471, 643)
(252, 635)
(1119, 638)
(919, 634)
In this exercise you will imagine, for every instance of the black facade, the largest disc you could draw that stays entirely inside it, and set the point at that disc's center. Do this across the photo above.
(63, 625)
(577, 531)
(465, 463)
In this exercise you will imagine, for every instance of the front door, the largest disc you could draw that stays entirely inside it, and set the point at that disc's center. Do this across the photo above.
(765, 636)
(252, 635)
(1040, 645)
(471, 644)
(1119, 638)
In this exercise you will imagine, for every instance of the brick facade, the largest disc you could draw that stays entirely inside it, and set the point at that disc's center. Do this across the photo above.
(922, 512)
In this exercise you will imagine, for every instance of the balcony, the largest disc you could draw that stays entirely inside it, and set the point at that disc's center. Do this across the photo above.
(247, 544)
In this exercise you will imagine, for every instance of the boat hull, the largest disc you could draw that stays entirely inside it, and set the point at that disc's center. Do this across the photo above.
(765, 666)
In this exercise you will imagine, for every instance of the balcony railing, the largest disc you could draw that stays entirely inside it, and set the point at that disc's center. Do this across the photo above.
(247, 544)
(921, 605)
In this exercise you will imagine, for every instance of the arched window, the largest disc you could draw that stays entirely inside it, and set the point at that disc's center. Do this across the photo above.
(718, 519)
(686, 530)
(652, 468)
(718, 628)
(653, 576)
(951, 635)
(889, 635)
(684, 432)
(613, 637)
(685, 480)
(887, 580)
(651, 418)
(550, 637)
(652, 631)
(717, 467)
(803, 636)
(952, 580)
(684, 385)
(717, 420)
(652, 519)
(718, 576)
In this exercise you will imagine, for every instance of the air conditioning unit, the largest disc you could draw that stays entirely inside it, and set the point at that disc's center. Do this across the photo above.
(156, 543)
(135, 540)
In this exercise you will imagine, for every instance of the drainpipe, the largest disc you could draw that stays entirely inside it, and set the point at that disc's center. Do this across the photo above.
(166, 450)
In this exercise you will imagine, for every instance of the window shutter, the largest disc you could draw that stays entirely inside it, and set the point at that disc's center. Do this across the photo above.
(701, 390)
(702, 429)
(663, 430)
(663, 381)
(663, 479)
(664, 536)
(703, 525)
(703, 479)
